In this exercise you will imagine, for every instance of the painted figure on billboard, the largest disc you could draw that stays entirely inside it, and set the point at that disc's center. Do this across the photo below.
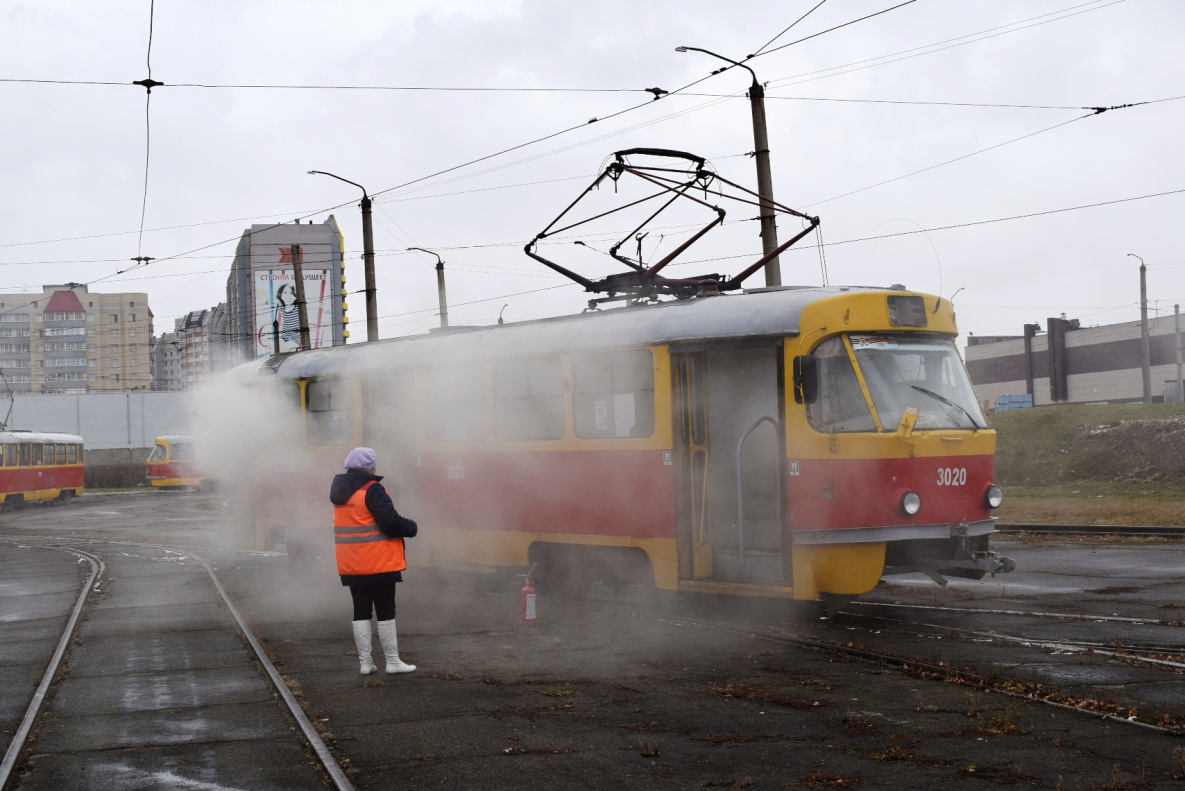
(275, 299)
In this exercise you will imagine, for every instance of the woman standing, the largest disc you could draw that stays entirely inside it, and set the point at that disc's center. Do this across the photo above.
(368, 538)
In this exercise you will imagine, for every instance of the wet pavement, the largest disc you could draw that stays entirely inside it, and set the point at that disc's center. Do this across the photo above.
(604, 693)
(38, 590)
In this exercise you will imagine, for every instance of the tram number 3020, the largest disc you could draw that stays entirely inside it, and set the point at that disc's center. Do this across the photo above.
(454, 472)
(952, 476)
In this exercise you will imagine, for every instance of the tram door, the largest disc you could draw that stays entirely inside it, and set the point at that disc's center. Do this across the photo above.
(728, 412)
(691, 438)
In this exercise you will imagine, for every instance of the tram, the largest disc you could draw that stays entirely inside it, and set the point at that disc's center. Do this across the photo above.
(171, 464)
(797, 442)
(37, 466)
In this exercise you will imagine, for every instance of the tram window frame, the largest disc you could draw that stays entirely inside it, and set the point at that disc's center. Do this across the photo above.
(37, 451)
(329, 404)
(845, 398)
(611, 388)
(81, 454)
(529, 399)
(50, 454)
(181, 451)
(456, 404)
(61, 453)
(26, 454)
(71, 454)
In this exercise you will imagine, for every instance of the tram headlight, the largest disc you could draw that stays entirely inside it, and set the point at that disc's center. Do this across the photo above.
(993, 497)
(911, 503)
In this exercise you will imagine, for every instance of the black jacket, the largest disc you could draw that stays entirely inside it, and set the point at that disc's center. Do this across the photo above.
(386, 518)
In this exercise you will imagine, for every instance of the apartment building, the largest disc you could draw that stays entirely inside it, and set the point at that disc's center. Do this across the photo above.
(196, 348)
(67, 339)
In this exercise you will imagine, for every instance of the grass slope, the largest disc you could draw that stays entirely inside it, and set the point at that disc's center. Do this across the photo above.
(1092, 464)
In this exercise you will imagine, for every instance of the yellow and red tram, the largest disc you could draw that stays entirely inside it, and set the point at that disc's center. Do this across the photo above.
(38, 465)
(171, 464)
(793, 442)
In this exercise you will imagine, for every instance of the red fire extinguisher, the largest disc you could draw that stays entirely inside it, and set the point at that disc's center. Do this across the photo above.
(527, 598)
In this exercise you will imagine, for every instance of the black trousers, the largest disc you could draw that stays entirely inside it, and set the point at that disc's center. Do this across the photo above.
(380, 597)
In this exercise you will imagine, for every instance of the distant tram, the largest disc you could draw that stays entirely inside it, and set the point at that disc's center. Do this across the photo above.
(171, 464)
(39, 466)
(789, 442)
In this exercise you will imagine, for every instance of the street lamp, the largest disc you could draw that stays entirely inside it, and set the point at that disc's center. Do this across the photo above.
(1145, 351)
(439, 284)
(372, 308)
(765, 183)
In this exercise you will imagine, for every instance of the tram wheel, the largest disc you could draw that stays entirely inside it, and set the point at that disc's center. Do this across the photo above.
(836, 603)
(562, 571)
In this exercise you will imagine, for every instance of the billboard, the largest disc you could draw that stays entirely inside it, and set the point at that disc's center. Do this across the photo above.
(275, 299)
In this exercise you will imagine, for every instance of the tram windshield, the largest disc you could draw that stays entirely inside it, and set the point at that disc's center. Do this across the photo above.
(159, 453)
(919, 371)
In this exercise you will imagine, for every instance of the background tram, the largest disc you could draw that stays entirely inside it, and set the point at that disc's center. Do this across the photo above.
(793, 442)
(171, 464)
(37, 466)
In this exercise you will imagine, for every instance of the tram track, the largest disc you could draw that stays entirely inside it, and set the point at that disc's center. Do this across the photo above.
(311, 738)
(913, 665)
(1134, 531)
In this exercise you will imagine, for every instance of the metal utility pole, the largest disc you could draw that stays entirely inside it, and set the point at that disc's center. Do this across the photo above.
(1177, 333)
(765, 181)
(372, 305)
(1145, 352)
(301, 309)
(439, 285)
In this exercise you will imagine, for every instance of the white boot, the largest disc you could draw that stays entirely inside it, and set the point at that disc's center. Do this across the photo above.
(362, 640)
(391, 648)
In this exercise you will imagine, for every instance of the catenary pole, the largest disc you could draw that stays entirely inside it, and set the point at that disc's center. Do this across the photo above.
(1145, 352)
(1177, 333)
(440, 295)
(372, 303)
(765, 181)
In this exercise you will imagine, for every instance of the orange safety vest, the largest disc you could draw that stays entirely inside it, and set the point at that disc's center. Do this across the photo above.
(361, 548)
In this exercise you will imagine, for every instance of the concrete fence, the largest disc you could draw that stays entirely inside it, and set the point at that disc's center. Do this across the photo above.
(118, 429)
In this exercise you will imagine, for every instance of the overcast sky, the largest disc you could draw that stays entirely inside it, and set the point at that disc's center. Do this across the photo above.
(72, 171)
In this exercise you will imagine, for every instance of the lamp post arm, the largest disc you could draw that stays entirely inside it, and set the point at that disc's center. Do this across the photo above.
(339, 178)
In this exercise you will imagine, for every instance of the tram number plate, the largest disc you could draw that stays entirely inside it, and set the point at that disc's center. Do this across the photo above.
(952, 476)
(455, 472)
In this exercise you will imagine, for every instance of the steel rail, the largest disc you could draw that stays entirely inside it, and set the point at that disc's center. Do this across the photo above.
(330, 764)
(22, 733)
(1094, 530)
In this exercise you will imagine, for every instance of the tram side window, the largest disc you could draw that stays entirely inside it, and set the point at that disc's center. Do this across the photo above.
(71, 454)
(331, 411)
(26, 454)
(613, 394)
(455, 405)
(529, 399)
(61, 454)
(37, 454)
(180, 451)
(81, 455)
(840, 406)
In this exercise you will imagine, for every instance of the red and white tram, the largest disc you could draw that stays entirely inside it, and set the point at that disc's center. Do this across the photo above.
(39, 465)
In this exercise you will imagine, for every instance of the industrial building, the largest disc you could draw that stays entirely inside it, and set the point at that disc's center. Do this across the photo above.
(261, 292)
(1068, 363)
(67, 339)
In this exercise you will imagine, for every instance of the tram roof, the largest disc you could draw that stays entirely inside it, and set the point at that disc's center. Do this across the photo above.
(174, 438)
(17, 435)
(752, 314)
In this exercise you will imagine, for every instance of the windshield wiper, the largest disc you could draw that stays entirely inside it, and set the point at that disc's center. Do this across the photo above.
(946, 400)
